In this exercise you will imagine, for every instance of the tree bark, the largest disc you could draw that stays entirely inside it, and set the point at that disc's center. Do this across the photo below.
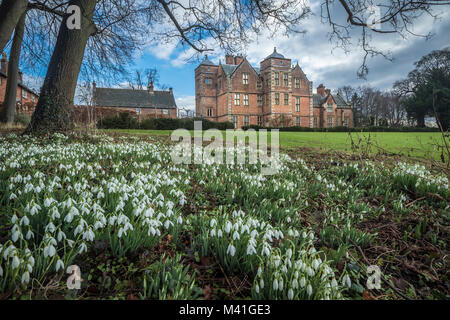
(54, 110)
(9, 104)
(10, 13)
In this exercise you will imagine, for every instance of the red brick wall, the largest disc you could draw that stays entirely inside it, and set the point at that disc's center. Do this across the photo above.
(27, 105)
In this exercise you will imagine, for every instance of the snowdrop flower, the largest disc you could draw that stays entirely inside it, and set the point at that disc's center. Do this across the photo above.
(228, 227)
(309, 290)
(219, 233)
(346, 281)
(261, 283)
(302, 282)
(236, 236)
(15, 262)
(259, 271)
(213, 232)
(25, 277)
(257, 288)
(59, 265)
(212, 223)
(231, 250)
(290, 294)
(275, 285)
(83, 248)
(29, 234)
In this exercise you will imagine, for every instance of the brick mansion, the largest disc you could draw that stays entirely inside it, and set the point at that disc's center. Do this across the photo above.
(273, 94)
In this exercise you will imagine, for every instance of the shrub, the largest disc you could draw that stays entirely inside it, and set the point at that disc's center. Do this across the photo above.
(22, 118)
(125, 121)
(346, 129)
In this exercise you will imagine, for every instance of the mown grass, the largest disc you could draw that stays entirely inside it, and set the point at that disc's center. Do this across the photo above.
(425, 145)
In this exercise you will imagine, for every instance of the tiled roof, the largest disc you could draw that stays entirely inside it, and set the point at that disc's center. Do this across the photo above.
(229, 68)
(111, 97)
(318, 100)
(21, 85)
(340, 101)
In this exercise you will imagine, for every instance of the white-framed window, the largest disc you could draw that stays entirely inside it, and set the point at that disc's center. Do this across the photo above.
(286, 99)
(329, 107)
(297, 83)
(237, 99)
(138, 110)
(235, 121)
(33, 98)
(286, 79)
(24, 94)
(330, 122)
(165, 111)
(297, 121)
(246, 120)
(245, 99)
(346, 121)
(277, 78)
(297, 104)
(245, 78)
(316, 122)
(260, 100)
(209, 112)
(277, 98)
(260, 121)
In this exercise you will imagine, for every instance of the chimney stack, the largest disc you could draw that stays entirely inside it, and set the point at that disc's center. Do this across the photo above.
(4, 64)
(20, 76)
(327, 91)
(321, 90)
(229, 59)
(94, 85)
(171, 90)
(150, 87)
(238, 59)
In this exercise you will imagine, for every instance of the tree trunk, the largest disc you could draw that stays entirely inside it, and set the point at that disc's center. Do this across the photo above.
(10, 13)
(421, 120)
(54, 110)
(9, 104)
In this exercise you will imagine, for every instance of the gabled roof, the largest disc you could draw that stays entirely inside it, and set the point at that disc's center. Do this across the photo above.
(112, 97)
(340, 101)
(229, 68)
(20, 84)
(318, 100)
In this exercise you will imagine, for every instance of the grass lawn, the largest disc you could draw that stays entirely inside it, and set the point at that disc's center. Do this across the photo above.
(412, 144)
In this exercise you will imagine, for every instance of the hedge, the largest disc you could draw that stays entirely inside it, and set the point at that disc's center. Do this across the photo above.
(126, 121)
(346, 129)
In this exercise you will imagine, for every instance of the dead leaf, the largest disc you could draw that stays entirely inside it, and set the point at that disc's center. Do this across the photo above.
(207, 292)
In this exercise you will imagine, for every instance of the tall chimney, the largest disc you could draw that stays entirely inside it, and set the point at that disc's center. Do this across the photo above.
(238, 59)
(94, 85)
(229, 59)
(150, 87)
(4, 64)
(20, 76)
(171, 90)
(321, 90)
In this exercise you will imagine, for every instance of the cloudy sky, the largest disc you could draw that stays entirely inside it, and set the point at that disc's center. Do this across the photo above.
(321, 62)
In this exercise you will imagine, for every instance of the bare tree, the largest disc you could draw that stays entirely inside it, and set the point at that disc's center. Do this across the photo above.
(395, 17)
(9, 102)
